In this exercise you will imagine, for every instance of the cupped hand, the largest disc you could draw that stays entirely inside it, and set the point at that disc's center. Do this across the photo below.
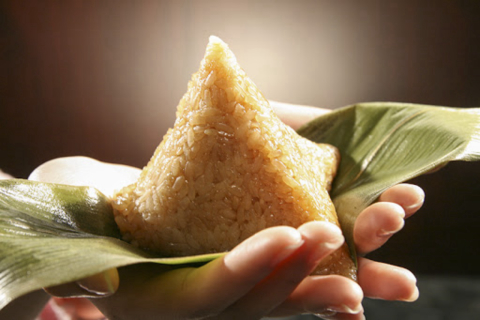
(266, 275)
(373, 227)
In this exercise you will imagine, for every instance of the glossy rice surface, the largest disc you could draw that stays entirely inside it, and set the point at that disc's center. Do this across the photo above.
(227, 169)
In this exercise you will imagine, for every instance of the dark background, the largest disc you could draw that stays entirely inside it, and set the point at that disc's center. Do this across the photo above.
(103, 78)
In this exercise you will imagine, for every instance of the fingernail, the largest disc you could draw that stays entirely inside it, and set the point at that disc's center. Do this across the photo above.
(101, 284)
(287, 251)
(420, 200)
(331, 244)
(326, 314)
(388, 233)
(346, 309)
(334, 244)
(414, 206)
(330, 314)
(385, 233)
(414, 296)
(336, 240)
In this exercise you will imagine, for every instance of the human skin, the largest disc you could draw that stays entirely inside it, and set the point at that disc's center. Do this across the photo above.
(266, 275)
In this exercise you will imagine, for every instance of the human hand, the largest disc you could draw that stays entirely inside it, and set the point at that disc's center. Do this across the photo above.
(253, 280)
(4, 175)
(248, 282)
(374, 226)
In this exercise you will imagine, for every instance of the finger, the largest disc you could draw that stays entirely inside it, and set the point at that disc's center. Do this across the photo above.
(376, 224)
(342, 316)
(409, 196)
(76, 309)
(387, 282)
(84, 171)
(325, 295)
(4, 175)
(266, 252)
(321, 239)
(296, 115)
(99, 285)
(207, 290)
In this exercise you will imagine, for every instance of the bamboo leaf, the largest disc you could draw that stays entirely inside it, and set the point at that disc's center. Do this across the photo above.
(58, 208)
(52, 234)
(383, 144)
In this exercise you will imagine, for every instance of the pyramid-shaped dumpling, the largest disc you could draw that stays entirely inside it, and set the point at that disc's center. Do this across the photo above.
(227, 169)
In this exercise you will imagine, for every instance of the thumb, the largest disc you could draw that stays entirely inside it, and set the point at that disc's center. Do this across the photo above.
(296, 115)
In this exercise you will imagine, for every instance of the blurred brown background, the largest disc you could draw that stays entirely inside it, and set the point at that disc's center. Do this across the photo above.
(103, 78)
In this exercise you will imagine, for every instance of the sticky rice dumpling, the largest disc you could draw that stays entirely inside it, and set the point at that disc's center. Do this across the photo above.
(227, 169)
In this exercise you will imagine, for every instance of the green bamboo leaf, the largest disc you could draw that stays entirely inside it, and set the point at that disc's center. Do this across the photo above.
(58, 208)
(52, 234)
(383, 144)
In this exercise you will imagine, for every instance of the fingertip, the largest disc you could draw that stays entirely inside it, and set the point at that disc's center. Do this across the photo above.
(273, 245)
(411, 197)
(376, 224)
(414, 296)
(387, 282)
(419, 199)
(102, 284)
(396, 224)
(296, 115)
(326, 232)
(342, 316)
(321, 239)
(325, 296)
(410, 290)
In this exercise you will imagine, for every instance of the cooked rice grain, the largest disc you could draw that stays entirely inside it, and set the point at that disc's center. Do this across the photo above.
(226, 170)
